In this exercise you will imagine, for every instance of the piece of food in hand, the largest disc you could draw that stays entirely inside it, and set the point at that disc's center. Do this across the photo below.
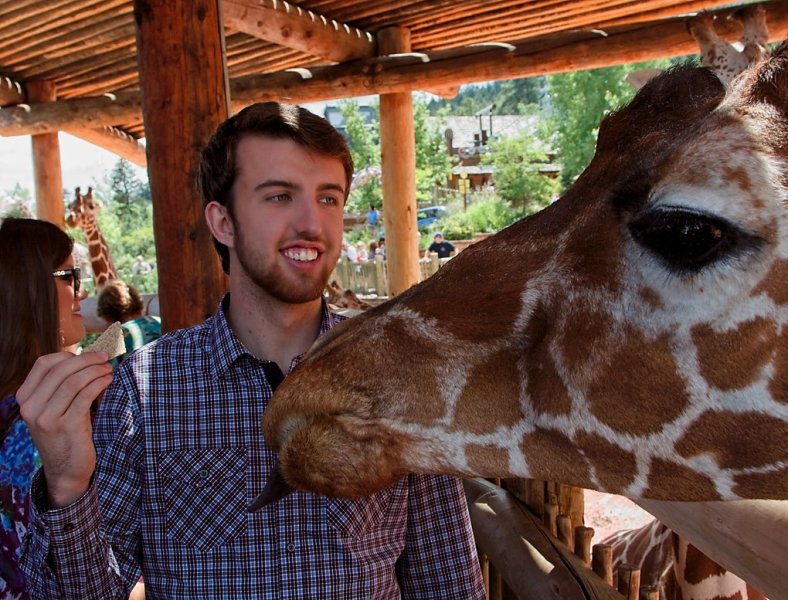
(111, 341)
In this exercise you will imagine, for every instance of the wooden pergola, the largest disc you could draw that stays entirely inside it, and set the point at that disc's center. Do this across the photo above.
(115, 71)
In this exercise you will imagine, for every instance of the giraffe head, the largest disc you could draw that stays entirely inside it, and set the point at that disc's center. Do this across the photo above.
(83, 210)
(631, 337)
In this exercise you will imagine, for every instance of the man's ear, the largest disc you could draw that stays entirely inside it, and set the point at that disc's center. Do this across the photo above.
(219, 222)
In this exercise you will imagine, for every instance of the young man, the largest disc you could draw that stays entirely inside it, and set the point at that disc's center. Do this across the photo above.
(179, 454)
(443, 248)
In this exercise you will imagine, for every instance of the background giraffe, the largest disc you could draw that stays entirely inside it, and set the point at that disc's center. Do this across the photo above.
(82, 213)
(633, 341)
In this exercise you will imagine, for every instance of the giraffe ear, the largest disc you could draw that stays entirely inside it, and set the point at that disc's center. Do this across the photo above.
(220, 223)
(771, 82)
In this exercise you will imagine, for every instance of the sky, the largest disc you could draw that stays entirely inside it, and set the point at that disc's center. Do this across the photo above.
(82, 163)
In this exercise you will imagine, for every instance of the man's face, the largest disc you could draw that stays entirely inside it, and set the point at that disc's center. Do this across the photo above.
(438, 239)
(287, 209)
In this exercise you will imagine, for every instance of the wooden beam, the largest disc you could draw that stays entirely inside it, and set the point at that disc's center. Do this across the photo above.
(293, 27)
(113, 140)
(47, 171)
(398, 168)
(180, 42)
(545, 55)
(11, 92)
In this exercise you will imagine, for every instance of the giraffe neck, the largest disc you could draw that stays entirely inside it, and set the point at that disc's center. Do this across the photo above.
(100, 260)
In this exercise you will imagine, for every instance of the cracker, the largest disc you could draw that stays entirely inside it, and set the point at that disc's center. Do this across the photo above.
(111, 341)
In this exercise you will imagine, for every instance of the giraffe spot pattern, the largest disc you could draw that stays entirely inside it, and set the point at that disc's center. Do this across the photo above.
(619, 395)
(496, 377)
(699, 567)
(762, 485)
(544, 388)
(487, 459)
(552, 455)
(734, 359)
(710, 433)
(668, 480)
(615, 467)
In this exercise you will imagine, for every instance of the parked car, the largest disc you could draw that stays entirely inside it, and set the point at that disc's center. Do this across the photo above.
(427, 216)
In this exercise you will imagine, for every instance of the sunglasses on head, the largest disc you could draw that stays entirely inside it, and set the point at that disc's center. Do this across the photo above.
(72, 275)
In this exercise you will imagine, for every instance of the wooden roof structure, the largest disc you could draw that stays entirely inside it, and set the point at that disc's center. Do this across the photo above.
(115, 71)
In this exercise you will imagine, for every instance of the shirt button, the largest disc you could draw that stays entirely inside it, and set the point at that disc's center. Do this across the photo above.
(204, 474)
(290, 547)
(68, 527)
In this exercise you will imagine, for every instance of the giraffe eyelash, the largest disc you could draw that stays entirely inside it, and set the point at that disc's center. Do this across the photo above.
(688, 240)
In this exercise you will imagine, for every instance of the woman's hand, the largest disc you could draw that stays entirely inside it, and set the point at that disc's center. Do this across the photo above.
(55, 402)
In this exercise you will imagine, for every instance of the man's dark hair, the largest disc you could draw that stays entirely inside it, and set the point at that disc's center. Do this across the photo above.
(118, 301)
(218, 166)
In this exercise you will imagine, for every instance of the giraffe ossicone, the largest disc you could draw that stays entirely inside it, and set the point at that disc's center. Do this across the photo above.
(630, 338)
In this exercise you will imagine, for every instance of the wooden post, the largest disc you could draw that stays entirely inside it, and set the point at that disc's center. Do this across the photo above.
(583, 537)
(602, 562)
(629, 581)
(649, 593)
(47, 172)
(398, 162)
(565, 534)
(184, 98)
(550, 517)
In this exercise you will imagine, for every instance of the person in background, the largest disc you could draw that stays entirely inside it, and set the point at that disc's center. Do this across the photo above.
(361, 251)
(40, 294)
(373, 217)
(162, 488)
(348, 251)
(373, 250)
(120, 302)
(443, 248)
(381, 247)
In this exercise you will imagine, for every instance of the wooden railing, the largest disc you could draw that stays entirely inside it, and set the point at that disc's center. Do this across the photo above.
(371, 277)
(526, 556)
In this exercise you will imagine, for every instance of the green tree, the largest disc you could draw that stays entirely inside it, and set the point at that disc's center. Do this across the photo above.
(518, 178)
(365, 149)
(433, 163)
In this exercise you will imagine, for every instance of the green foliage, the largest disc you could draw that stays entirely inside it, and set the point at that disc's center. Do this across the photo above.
(580, 100)
(480, 217)
(518, 179)
(433, 163)
(365, 150)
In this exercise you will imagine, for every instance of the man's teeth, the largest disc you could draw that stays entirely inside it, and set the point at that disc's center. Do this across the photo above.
(302, 254)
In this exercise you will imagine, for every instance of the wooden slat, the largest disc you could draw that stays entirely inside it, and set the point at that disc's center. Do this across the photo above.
(301, 30)
(533, 57)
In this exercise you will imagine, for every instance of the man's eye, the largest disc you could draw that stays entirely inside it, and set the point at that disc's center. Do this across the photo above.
(279, 198)
(689, 240)
(329, 200)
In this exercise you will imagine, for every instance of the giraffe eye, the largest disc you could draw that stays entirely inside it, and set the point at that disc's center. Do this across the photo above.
(686, 239)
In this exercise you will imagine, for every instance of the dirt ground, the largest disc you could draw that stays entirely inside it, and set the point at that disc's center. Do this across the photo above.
(607, 514)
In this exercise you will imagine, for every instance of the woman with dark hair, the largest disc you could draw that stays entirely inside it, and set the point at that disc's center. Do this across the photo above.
(39, 315)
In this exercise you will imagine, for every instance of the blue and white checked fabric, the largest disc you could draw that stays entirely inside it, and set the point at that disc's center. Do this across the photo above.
(181, 455)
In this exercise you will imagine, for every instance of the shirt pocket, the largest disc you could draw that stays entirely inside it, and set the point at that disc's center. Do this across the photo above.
(204, 495)
(355, 519)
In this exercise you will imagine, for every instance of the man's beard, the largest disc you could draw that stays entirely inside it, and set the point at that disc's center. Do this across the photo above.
(267, 274)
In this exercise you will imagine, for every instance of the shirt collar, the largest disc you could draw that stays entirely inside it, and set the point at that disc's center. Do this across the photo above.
(225, 348)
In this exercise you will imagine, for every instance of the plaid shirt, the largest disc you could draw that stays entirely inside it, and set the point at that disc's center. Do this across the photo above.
(181, 455)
